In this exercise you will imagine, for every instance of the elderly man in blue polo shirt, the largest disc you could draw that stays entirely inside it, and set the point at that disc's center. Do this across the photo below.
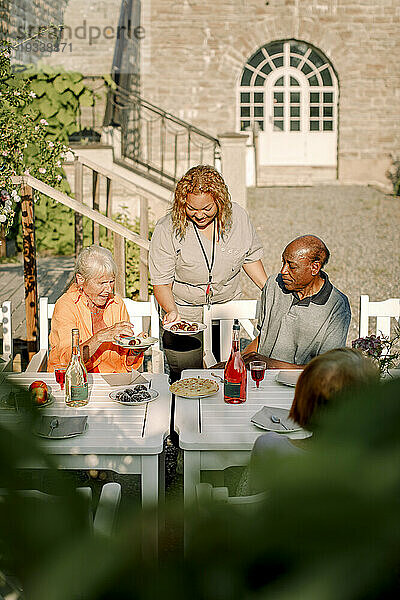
(301, 314)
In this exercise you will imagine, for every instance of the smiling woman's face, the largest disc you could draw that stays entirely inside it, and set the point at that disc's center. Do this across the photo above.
(98, 289)
(201, 209)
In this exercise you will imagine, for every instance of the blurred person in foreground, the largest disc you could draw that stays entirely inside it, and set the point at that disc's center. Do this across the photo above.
(324, 378)
(90, 305)
(197, 252)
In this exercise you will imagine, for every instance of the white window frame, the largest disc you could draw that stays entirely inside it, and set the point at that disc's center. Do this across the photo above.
(263, 123)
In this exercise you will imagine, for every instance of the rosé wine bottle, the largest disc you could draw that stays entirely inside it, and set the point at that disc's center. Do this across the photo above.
(235, 375)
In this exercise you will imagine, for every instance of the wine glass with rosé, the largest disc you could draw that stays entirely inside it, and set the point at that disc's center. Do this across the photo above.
(257, 370)
(59, 373)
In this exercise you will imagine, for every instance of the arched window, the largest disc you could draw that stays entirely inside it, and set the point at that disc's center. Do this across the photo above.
(288, 91)
(303, 79)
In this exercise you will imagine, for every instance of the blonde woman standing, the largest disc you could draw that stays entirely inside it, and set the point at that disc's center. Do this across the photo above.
(196, 255)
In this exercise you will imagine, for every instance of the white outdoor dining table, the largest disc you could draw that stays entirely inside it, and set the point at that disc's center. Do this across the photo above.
(214, 435)
(124, 439)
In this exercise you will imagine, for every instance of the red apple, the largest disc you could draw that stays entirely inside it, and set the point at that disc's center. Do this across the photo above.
(38, 390)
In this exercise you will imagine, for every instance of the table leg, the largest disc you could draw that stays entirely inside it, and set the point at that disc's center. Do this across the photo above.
(191, 477)
(150, 499)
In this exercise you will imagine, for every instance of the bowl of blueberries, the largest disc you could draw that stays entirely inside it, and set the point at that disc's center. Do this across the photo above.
(134, 394)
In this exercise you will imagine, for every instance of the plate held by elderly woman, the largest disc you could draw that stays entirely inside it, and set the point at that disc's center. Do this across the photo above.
(135, 343)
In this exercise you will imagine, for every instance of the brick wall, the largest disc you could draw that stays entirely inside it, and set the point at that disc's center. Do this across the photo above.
(25, 17)
(195, 51)
(90, 34)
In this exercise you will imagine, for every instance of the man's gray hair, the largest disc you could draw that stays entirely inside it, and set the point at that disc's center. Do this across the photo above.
(94, 261)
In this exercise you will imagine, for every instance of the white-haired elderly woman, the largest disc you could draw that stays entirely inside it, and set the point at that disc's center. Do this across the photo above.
(90, 305)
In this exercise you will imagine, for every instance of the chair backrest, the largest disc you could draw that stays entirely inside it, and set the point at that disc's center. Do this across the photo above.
(102, 522)
(45, 314)
(384, 311)
(7, 328)
(138, 310)
(244, 310)
(206, 495)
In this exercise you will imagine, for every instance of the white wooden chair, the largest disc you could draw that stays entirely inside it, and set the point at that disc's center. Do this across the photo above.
(384, 311)
(39, 361)
(6, 357)
(136, 311)
(102, 522)
(244, 310)
(206, 494)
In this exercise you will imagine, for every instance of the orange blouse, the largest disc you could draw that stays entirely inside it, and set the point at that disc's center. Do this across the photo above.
(71, 311)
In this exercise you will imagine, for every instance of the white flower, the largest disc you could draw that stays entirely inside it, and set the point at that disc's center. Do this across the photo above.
(17, 198)
(8, 205)
(36, 127)
(58, 163)
(3, 218)
(5, 153)
(59, 177)
(42, 170)
(32, 94)
(27, 172)
(43, 122)
(17, 93)
(51, 144)
(14, 193)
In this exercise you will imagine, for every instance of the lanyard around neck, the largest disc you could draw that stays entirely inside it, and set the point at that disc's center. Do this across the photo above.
(209, 264)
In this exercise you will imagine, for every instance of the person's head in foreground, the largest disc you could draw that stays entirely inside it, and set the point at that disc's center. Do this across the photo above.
(201, 196)
(327, 375)
(94, 274)
(302, 261)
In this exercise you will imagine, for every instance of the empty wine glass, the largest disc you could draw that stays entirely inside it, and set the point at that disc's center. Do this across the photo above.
(257, 370)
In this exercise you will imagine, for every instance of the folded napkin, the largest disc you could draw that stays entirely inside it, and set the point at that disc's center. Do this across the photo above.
(262, 419)
(120, 379)
(65, 427)
(138, 378)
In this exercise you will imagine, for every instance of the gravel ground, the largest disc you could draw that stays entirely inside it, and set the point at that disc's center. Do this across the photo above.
(359, 224)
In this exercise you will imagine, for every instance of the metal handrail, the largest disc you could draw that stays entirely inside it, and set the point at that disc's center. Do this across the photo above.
(156, 142)
(160, 111)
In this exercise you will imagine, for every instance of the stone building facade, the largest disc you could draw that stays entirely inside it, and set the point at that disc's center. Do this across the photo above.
(195, 52)
(90, 35)
(218, 64)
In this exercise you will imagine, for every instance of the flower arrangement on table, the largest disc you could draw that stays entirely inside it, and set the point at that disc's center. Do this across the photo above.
(381, 349)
